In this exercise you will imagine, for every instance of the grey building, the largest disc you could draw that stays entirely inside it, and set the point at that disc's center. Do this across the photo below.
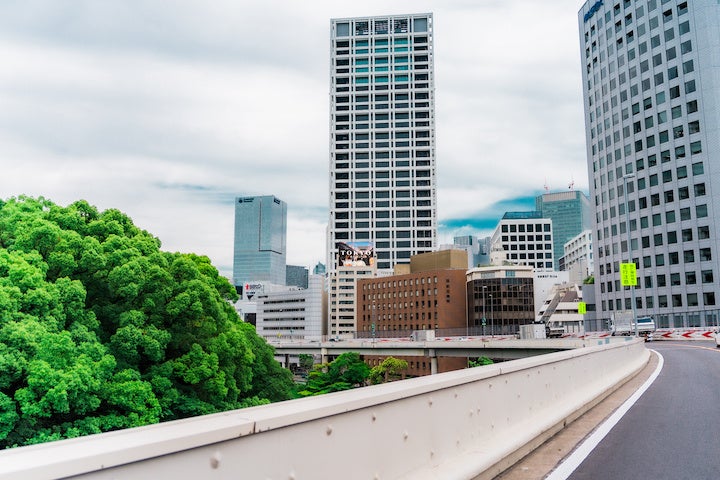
(570, 214)
(382, 136)
(260, 240)
(296, 276)
(651, 83)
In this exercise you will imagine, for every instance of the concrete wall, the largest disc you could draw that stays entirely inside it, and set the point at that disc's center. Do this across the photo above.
(471, 423)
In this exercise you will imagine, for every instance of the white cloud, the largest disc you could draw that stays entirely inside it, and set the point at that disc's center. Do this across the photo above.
(168, 113)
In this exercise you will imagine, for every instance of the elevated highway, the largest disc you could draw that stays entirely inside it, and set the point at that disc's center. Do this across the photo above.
(501, 348)
(471, 423)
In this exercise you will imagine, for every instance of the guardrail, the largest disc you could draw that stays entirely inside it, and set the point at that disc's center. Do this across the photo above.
(471, 423)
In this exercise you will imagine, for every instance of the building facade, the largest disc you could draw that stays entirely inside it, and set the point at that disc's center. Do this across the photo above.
(570, 214)
(342, 300)
(500, 299)
(382, 136)
(651, 83)
(260, 240)
(292, 313)
(526, 238)
(431, 296)
(297, 276)
(577, 258)
(416, 301)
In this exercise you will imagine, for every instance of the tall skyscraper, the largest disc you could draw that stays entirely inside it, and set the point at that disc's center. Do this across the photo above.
(570, 215)
(651, 83)
(382, 136)
(260, 239)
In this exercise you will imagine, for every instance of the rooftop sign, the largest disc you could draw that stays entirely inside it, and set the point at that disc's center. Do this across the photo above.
(592, 10)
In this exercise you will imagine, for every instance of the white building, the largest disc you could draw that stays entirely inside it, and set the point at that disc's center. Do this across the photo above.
(342, 291)
(382, 136)
(545, 282)
(578, 257)
(651, 85)
(292, 313)
(525, 238)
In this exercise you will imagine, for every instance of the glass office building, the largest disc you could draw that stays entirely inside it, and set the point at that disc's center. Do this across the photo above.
(570, 215)
(382, 136)
(260, 240)
(651, 83)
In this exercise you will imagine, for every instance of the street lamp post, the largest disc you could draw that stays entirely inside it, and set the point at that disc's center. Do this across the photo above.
(629, 246)
(492, 323)
(483, 317)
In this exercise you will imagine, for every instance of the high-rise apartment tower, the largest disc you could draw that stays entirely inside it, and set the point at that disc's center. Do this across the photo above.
(382, 136)
(651, 83)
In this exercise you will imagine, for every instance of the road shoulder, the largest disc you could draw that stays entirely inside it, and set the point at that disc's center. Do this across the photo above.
(539, 463)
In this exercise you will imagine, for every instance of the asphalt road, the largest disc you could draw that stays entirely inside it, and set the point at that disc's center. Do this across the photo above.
(673, 431)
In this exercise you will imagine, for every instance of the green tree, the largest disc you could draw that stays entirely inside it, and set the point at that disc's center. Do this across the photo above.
(306, 361)
(389, 370)
(347, 371)
(100, 329)
(480, 362)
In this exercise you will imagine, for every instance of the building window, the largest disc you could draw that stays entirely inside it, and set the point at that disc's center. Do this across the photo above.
(709, 298)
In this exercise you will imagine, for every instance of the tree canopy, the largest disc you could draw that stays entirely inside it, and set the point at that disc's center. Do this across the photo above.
(347, 371)
(389, 370)
(100, 329)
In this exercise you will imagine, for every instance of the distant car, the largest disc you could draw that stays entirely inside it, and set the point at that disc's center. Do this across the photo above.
(717, 339)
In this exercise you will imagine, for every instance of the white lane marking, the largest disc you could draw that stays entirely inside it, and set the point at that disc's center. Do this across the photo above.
(568, 466)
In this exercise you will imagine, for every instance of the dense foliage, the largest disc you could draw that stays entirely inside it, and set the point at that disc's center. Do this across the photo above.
(349, 371)
(480, 362)
(389, 370)
(101, 330)
(345, 372)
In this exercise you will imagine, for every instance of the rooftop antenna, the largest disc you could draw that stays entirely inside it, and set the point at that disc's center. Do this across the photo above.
(547, 188)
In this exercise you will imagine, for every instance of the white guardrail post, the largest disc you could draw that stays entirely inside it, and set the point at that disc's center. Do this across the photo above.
(470, 423)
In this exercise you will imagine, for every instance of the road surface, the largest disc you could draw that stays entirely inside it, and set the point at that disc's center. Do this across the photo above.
(673, 431)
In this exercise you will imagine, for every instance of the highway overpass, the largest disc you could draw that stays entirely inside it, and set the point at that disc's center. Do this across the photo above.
(471, 423)
(502, 348)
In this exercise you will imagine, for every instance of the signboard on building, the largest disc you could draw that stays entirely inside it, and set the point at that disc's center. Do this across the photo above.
(628, 275)
(356, 254)
(251, 289)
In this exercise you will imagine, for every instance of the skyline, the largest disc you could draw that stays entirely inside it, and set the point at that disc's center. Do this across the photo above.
(185, 107)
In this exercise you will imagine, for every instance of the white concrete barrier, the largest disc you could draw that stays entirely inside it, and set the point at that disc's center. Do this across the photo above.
(704, 333)
(471, 423)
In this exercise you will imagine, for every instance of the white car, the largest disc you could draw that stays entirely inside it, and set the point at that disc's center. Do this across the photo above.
(717, 339)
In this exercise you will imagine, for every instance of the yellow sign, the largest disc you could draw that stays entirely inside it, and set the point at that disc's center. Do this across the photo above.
(628, 275)
(582, 308)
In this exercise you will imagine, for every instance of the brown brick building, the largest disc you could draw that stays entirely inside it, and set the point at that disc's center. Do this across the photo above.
(429, 300)
(431, 297)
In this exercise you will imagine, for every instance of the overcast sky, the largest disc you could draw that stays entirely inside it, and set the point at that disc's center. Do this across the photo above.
(168, 110)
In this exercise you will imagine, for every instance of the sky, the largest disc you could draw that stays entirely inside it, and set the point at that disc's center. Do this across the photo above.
(169, 110)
